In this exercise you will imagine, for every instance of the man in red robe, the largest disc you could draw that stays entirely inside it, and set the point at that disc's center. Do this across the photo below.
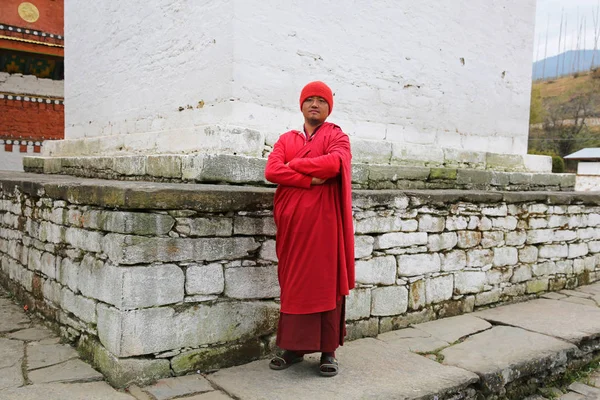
(315, 235)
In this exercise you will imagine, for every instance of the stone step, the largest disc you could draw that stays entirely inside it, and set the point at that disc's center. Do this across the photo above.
(235, 169)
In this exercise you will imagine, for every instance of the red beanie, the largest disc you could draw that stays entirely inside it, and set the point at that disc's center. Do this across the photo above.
(317, 88)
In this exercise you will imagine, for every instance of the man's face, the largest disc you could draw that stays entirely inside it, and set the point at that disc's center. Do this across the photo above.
(315, 110)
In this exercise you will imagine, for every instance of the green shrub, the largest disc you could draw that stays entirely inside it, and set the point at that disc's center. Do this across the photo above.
(558, 164)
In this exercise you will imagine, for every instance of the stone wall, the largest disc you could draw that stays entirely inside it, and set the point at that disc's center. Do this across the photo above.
(158, 278)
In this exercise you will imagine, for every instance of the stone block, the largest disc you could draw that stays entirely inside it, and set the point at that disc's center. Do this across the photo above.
(132, 287)
(439, 289)
(212, 358)
(492, 239)
(416, 295)
(443, 241)
(538, 223)
(399, 239)
(456, 223)
(358, 304)
(594, 247)
(558, 221)
(268, 251)
(129, 250)
(379, 225)
(84, 240)
(521, 273)
(544, 268)
(165, 328)
(564, 267)
(68, 272)
(495, 211)
(48, 265)
(505, 256)
(363, 246)
(453, 260)
(564, 236)
(82, 307)
(225, 168)
(199, 227)
(496, 276)
(34, 260)
(479, 258)
(554, 251)
(466, 282)
(136, 223)
(391, 300)
(122, 372)
(254, 226)
(130, 165)
(514, 290)
(537, 285)
(508, 223)
(430, 223)
(251, 282)
(377, 271)
(515, 238)
(578, 250)
(468, 239)
(485, 298)
(204, 279)
(536, 236)
(418, 264)
(363, 328)
(528, 254)
(164, 166)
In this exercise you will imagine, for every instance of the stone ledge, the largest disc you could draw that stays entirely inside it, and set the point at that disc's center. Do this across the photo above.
(223, 198)
(235, 169)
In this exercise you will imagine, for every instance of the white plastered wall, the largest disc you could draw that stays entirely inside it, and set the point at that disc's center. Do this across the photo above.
(453, 74)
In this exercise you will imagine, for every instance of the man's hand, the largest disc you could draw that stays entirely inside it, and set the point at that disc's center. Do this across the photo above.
(317, 181)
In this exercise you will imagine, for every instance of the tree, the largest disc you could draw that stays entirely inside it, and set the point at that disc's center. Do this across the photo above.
(564, 122)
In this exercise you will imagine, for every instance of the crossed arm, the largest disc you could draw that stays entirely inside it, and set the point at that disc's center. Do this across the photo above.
(302, 172)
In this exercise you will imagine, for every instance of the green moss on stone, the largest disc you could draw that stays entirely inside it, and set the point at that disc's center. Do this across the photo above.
(442, 173)
(212, 358)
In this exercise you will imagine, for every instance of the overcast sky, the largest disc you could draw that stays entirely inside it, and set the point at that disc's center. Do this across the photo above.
(553, 9)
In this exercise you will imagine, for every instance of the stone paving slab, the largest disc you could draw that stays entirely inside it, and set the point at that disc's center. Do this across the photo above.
(32, 334)
(12, 352)
(561, 319)
(169, 388)
(573, 396)
(575, 293)
(414, 340)
(11, 317)
(592, 289)
(40, 356)
(581, 300)
(503, 354)
(368, 369)
(585, 390)
(453, 328)
(65, 391)
(595, 379)
(209, 396)
(11, 377)
(553, 296)
(70, 371)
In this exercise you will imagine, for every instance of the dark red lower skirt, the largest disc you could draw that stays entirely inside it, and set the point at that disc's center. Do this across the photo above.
(310, 333)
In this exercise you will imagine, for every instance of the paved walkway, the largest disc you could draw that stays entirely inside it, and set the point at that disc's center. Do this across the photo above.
(488, 350)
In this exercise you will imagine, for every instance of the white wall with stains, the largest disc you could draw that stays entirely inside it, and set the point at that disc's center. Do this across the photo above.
(453, 74)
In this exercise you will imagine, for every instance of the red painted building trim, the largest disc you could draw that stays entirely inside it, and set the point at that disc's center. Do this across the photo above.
(30, 118)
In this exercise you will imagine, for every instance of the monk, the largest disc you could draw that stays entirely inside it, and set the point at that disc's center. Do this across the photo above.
(315, 235)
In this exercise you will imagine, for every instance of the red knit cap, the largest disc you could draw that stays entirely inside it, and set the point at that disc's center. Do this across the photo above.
(317, 88)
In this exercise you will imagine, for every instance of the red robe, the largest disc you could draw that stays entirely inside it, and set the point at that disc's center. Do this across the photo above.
(315, 235)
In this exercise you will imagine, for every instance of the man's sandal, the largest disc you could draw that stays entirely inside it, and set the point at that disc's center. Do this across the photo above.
(328, 366)
(285, 360)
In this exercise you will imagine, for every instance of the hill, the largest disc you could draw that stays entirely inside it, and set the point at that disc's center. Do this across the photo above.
(568, 62)
(565, 114)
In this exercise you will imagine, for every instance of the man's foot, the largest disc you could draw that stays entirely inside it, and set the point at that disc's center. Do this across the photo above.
(285, 360)
(328, 365)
